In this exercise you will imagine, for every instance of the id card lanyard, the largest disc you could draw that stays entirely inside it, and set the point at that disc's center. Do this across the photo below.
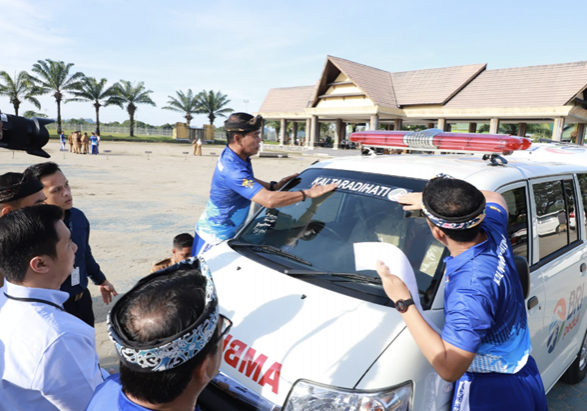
(34, 300)
(75, 275)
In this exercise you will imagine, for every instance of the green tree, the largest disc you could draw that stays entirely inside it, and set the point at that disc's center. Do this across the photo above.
(18, 89)
(186, 103)
(96, 92)
(54, 76)
(213, 104)
(31, 114)
(129, 94)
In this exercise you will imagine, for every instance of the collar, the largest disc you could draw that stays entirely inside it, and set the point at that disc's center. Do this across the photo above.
(55, 296)
(455, 263)
(228, 152)
(125, 404)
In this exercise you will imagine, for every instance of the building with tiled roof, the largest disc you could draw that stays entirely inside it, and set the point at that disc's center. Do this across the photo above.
(349, 92)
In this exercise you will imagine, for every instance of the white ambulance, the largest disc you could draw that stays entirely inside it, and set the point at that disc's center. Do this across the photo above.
(313, 328)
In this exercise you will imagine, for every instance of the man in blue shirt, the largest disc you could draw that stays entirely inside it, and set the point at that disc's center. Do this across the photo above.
(94, 141)
(169, 335)
(48, 360)
(485, 343)
(234, 186)
(57, 190)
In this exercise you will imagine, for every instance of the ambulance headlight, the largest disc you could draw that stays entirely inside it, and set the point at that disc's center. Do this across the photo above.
(309, 396)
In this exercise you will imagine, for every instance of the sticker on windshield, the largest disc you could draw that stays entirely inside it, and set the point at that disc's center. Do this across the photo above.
(360, 187)
(394, 195)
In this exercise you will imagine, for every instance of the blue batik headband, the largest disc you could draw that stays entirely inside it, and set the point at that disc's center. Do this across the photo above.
(171, 352)
(454, 223)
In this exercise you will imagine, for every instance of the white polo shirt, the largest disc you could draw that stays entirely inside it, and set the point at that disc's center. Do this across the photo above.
(48, 359)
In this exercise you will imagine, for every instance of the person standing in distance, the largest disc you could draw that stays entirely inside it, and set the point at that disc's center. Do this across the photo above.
(234, 186)
(56, 188)
(485, 343)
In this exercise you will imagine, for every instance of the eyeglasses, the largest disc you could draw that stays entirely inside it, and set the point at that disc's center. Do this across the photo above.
(225, 326)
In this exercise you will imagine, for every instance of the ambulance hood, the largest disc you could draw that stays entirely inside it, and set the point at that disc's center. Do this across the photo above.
(285, 329)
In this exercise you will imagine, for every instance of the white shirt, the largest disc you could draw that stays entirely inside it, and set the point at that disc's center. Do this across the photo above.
(48, 359)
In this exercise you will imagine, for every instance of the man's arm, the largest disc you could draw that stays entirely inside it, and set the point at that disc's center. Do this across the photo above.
(279, 185)
(93, 270)
(276, 199)
(450, 362)
(413, 201)
(68, 373)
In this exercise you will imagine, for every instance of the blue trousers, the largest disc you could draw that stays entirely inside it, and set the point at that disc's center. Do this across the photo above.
(522, 391)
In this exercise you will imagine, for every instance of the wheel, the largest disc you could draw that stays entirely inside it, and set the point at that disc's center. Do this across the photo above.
(578, 369)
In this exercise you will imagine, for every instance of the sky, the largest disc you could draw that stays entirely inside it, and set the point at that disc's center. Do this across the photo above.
(243, 49)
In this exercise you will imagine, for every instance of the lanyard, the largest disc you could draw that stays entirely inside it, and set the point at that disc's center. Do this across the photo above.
(34, 300)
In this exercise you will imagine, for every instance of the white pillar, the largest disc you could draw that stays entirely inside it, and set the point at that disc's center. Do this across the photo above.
(441, 123)
(313, 130)
(557, 129)
(308, 132)
(494, 125)
(282, 131)
(337, 133)
(374, 122)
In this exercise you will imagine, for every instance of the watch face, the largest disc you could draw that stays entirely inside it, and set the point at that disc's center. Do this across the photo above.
(400, 305)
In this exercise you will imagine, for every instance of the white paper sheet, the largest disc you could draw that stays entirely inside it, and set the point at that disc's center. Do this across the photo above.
(367, 254)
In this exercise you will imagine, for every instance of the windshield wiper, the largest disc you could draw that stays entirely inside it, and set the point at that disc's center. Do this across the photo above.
(270, 250)
(352, 277)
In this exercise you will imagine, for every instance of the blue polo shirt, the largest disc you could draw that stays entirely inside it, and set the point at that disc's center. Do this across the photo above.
(109, 396)
(484, 301)
(233, 187)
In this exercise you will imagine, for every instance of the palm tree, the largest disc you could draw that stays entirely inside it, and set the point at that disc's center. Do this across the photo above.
(95, 91)
(19, 88)
(131, 95)
(32, 114)
(53, 76)
(185, 103)
(212, 104)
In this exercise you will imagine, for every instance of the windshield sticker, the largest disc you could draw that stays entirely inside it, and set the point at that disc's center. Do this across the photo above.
(361, 187)
(394, 195)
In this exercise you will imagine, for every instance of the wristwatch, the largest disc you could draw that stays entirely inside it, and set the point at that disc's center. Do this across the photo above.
(402, 305)
(272, 185)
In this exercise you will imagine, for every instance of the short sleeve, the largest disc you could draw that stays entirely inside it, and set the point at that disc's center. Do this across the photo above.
(468, 318)
(243, 182)
(496, 215)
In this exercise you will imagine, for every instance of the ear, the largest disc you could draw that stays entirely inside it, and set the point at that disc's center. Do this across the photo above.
(39, 264)
(5, 210)
(439, 235)
(200, 372)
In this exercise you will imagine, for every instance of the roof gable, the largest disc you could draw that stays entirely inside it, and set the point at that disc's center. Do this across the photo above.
(375, 83)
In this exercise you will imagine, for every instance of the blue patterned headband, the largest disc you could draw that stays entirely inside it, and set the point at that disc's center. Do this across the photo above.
(166, 354)
(454, 223)
(439, 222)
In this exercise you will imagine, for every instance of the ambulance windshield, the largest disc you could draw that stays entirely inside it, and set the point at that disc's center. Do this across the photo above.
(320, 234)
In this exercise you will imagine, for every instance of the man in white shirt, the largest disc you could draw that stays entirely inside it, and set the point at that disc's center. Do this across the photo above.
(48, 360)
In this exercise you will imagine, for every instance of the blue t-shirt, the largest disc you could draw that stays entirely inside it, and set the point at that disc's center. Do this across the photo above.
(233, 187)
(94, 140)
(484, 301)
(109, 396)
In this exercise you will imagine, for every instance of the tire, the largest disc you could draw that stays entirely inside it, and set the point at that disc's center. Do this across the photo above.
(578, 369)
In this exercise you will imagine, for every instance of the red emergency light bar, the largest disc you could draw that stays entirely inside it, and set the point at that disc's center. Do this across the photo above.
(435, 139)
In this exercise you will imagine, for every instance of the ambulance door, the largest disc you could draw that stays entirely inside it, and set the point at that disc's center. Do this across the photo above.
(519, 203)
(557, 258)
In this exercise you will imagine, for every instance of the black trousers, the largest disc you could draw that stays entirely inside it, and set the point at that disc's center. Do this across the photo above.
(81, 308)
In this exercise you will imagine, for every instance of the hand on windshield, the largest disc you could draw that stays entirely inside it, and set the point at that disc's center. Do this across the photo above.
(411, 201)
(393, 286)
(284, 181)
(317, 191)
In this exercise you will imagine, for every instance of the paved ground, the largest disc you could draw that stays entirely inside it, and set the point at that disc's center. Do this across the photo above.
(137, 202)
